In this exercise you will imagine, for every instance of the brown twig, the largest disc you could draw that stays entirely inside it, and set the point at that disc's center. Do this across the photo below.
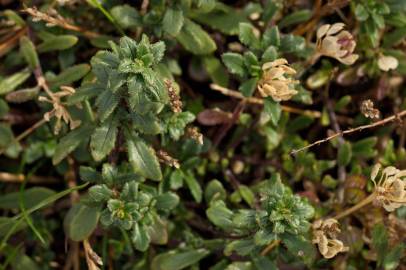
(226, 127)
(352, 130)
(11, 40)
(19, 178)
(59, 21)
(254, 100)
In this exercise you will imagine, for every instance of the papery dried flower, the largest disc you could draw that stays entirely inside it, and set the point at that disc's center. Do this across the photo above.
(386, 63)
(390, 189)
(324, 235)
(368, 110)
(337, 43)
(59, 110)
(276, 80)
(176, 103)
(164, 157)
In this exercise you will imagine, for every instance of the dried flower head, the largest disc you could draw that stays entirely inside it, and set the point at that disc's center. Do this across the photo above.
(337, 43)
(368, 110)
(59, 110)
(386, 63)
(176, 103)
(164, 157)
(390, 189)
(324, 235)
(276, 80)
(193, 133)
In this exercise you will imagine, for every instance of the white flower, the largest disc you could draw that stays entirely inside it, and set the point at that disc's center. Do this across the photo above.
(337, 43)
(386, 63)
(276, 80)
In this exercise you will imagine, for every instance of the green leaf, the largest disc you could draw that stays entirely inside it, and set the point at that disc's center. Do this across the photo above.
(143, 158)
(234, 63)
(297, 244)
(216, 70)
(71, 141)
(57, 43)
(273, 109)
(147, 123)
(106, 103)
(220, 215)
(214, 191)
(80, 221)
(103, 139)
(173, 21)
(395, 37)
(85, 92)
(140, 237)
(393, 257)
(126, 16)
(292, 44)
(225, 19)
(344, 154)
(365, 147)
(177, 259)
(248, 87)
(247, 35)
(7, 224)
(380, 241)
(194, 39)
(100, 193)
(27, 49)
(295, 18)
(13, 16)
(271, 37)
(167, 201)
(6, 136)
(11, 82)
(31, 196)
(361, 13)
(194, 186)
(69, 75)
(247, 194)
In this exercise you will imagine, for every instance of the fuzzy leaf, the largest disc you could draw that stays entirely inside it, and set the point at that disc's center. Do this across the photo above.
(234, 63)
(194, 39)
(11, 82)
(27, 49)
(71, 141)
(143, 158)
(80, 221)
(57, 43)
(103, 139)
(177, 259)
(172, 21)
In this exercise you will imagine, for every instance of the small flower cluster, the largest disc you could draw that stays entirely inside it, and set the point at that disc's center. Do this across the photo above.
(276, 80)
(325, 236)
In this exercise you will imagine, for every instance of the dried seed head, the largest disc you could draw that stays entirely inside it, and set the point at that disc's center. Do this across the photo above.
(164, 157)
(368, 110)
(390, 189)
(174, 99)
(324, 235)
(277, 81)
(337, 43)
(59, 110)
(193, 133)
(386, 63)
